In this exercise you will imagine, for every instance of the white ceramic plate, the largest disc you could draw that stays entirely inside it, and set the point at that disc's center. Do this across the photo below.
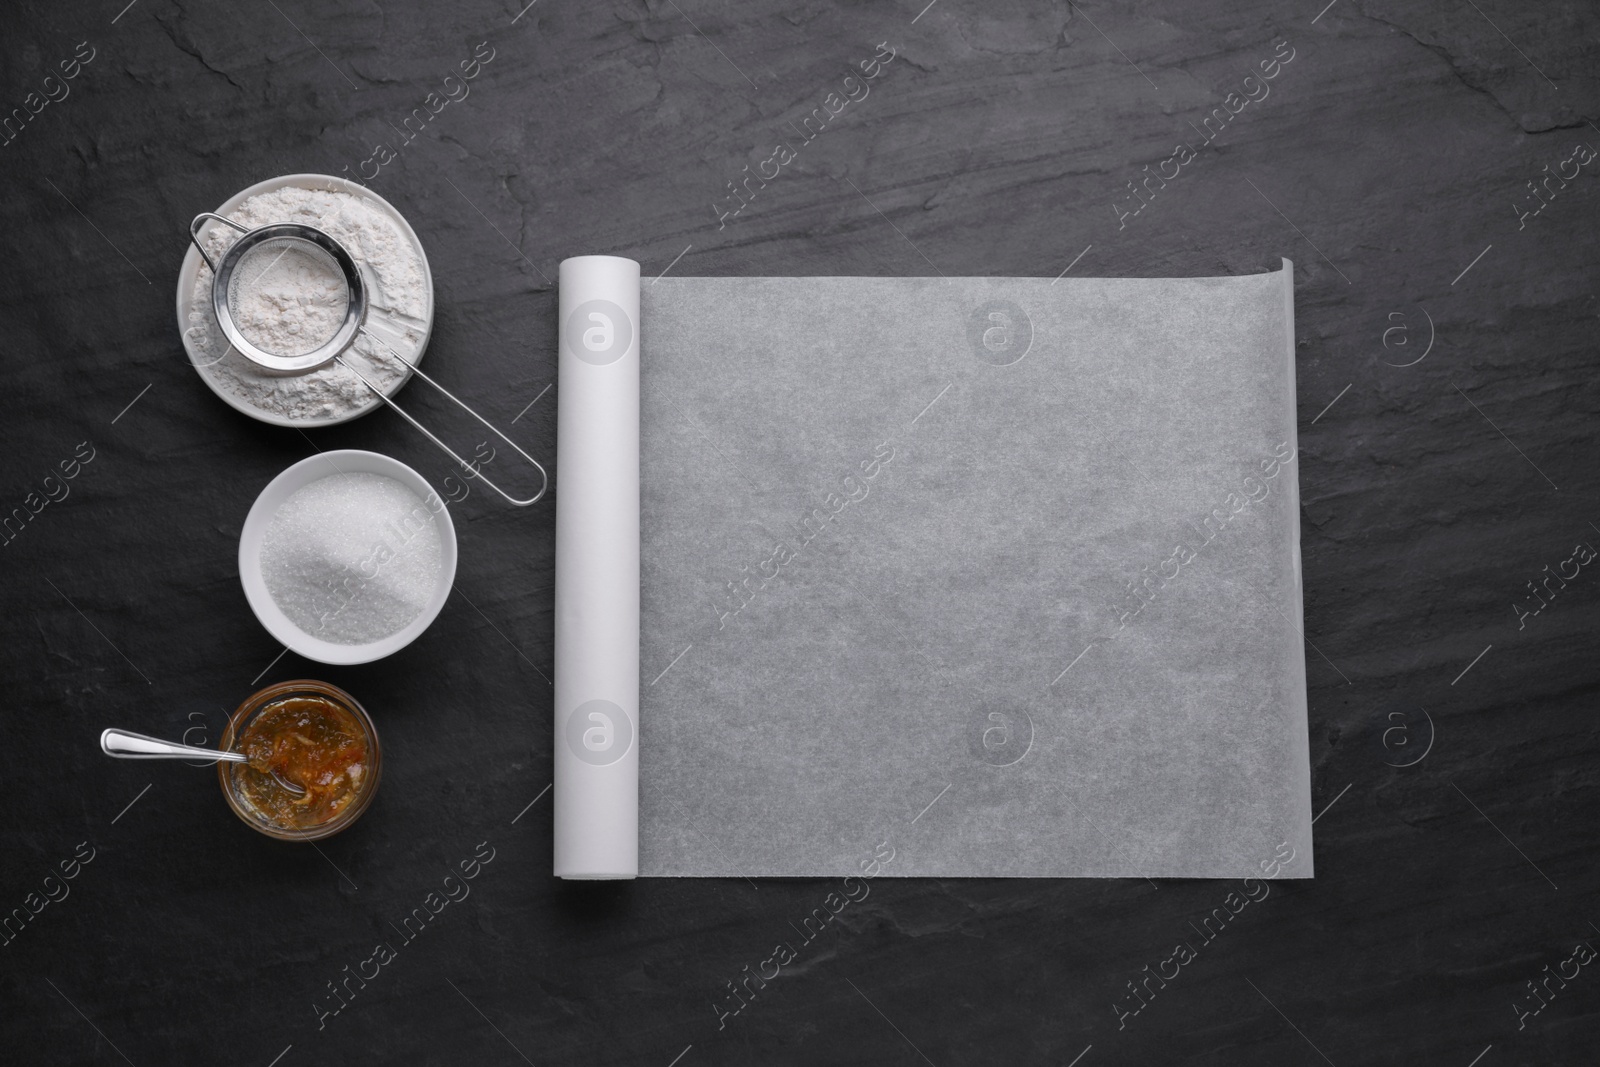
(345, 461)
(191, 270)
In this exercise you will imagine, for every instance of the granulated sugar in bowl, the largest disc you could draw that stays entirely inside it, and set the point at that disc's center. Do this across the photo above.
(347, 556)
(351, 558)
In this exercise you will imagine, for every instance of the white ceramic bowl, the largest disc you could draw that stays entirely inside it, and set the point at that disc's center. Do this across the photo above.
(346, 461)
(191, 270)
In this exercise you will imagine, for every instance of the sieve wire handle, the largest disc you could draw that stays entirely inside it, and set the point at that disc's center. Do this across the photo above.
(429, 435)
(194, 234)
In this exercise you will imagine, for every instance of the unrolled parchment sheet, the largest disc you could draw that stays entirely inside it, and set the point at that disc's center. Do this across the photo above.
(996, 576)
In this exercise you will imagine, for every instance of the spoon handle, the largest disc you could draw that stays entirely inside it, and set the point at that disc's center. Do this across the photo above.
(125, 744)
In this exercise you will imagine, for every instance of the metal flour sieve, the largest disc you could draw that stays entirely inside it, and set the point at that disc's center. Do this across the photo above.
(270, 244)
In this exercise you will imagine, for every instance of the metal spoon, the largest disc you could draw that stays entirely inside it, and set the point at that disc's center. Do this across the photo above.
(125, 744)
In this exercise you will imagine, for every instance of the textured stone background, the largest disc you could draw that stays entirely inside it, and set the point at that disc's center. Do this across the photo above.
(1390, 156)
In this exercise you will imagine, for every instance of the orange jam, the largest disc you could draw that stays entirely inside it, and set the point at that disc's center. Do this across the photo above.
(311, 743)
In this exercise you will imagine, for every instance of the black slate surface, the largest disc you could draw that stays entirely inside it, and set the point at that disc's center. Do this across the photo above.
(1390, 160)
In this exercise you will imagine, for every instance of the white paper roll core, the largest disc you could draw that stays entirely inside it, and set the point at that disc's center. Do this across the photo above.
(597, 571)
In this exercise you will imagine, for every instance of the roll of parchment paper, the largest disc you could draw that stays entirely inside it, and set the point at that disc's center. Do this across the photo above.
(597, 571)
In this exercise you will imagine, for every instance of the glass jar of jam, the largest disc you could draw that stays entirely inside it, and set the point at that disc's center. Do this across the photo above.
(314, 760)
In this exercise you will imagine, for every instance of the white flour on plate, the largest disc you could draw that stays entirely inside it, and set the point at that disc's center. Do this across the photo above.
(292, 305)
